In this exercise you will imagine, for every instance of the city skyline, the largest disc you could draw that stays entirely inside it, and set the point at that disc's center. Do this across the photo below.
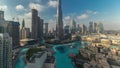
(83, 11)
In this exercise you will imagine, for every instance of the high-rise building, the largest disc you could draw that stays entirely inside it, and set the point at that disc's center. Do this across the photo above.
(84, 29)
(91, 27)
(34, 24)
(3, 23)
(13, 30)
(79, 29)
(37, 26)
(23, 31)
(5, 50)
(5, 44)
(73, 28)
(95, 27)
(66, 29)
(100, 28)
(59, 26)
(46, 28)
(40, 29)
(28, 32)
(1, 15)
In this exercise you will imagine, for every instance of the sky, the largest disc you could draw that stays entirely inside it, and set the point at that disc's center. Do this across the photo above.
(83, 11)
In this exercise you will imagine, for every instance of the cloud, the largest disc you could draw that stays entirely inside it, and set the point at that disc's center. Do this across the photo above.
(95, 12)
(67, 18)
(52, 3)
(83, 16)
(19, 7)
(91, 12)
(39, 7)
(52, 24)
(28, 15)
(4, 7)
(87, 14)
(38, 1)
(55, 15)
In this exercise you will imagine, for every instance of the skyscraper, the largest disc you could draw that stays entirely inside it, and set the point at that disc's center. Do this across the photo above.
(23, 23)
(46, 28)
(79, 29)
(73, 28)
(1, 15)
(91, 27)
(95, 27)
(3, 23)
(5, 50)
(23, 31)
(37, 26)
(59, 27)
(84, 29)
(28, 32)
(34, 24)
(5, 44)
(13, 30)
(40, 29)
(100, 27)
(66, 29)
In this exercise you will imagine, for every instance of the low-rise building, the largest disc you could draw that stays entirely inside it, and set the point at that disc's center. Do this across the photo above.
(50, 62)
(37, 60)
(106, 41)
(115, 39)
(41, 60)
(25, 42)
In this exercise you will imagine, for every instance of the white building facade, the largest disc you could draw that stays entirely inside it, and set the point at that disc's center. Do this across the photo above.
(42, 60)
(38, 61)
(5, 51)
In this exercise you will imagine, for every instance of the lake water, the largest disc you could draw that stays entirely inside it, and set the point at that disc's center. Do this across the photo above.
(62, 52)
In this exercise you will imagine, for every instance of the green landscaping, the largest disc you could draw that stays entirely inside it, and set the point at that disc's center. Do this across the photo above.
(31, 52)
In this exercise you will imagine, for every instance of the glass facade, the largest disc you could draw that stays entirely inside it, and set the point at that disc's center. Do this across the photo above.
(1, 29)
(1, 15)
(5, 51)
(5, 44)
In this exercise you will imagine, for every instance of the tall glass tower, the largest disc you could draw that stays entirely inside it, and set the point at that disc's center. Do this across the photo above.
(5, 44)
(5, 51)
(2, 24)
(59, 27)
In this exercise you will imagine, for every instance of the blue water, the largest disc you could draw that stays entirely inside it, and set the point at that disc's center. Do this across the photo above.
(62, 52)
(20, 63)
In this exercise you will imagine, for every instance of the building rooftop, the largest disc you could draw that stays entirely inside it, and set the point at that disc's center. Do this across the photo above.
(26, 40)
(37, 55)
(50, 59)
(13, 22)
